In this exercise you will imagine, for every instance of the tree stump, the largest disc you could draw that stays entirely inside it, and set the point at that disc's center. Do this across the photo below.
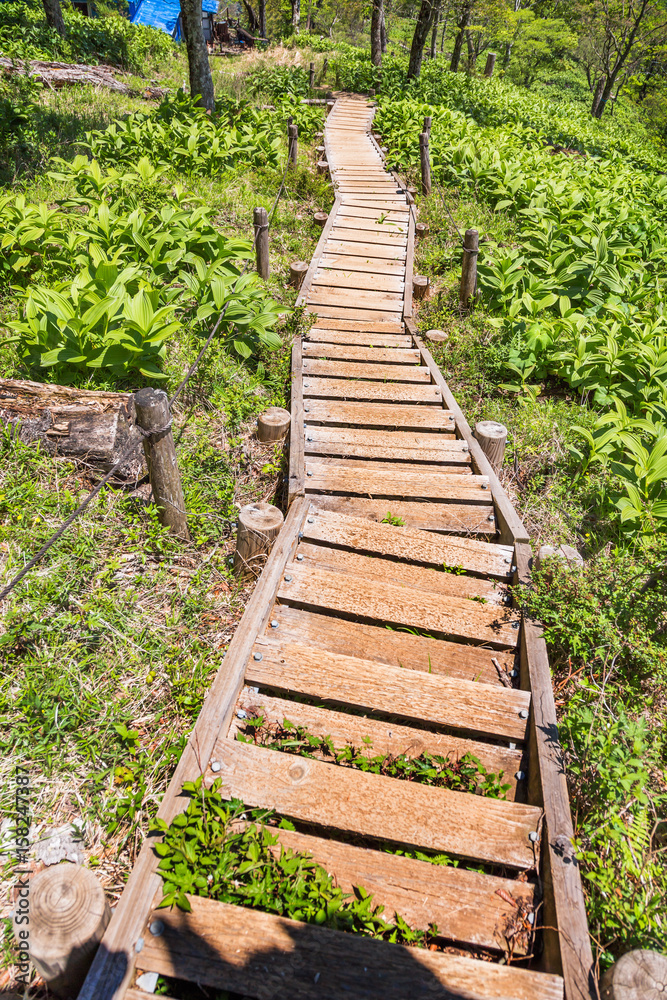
(259, 525)
(492, 437)
(322, 167)
(638, 975)
(68, 916)
(154, 416)
(436, 336)
(468, 288)
(330, 106)
(422, 229)
(420, 285)
(297, 272)
(320, 219)
(273, 424)
(321, 152)
(564, 553)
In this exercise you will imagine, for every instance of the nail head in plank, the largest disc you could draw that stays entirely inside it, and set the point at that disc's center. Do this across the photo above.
(249, 952)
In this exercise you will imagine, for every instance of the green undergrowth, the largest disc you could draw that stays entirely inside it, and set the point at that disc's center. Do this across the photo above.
(222, 851)
(464, 774)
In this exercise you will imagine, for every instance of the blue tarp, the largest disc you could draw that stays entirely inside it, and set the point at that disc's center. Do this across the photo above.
(164, 14)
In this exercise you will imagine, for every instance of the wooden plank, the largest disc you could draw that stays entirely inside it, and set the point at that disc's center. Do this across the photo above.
(385, 445)
(333, 278)
(321, 336)
(386, 392)
(337, 462)
(433, 581)
(357, 370)
(350, 248)
(404, 606)
(375, 414)
(368, 237)
(409, 544)
(390, 203)
(352, 212)
(113, 965)
(297, 432)
(388, 326)
(259, 954)
(387, 301)
(445, 518)
(372, 805)
(363, 315)
(377, 738)
(464, 905)
(386, 355)
(404, 650)
(409, 269)
(368, 265)
(393, 481)
(319, 251)
(567, 951)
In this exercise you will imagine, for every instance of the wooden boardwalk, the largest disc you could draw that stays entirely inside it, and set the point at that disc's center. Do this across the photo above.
(360, 628)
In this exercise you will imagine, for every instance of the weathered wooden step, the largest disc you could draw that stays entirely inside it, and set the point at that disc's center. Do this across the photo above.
(409, 544)
(389, 326)
(447, 518)
(261, 955)
(396, 605)
(342, 369)
(406, 650)
(383, 226)
(369, 265)
(353, 280)
(353, 212)
(350, 248)
(385, 480)
(368, 237)
(372, 805)
(388, 445)
(403, 574)
(361, 313)
(387, 301)
(384, 355)
(413, 695)
(385, 737)
(395, 392)
(426, 468)
(321, 335)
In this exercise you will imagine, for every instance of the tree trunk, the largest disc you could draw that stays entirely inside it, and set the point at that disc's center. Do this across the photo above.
(253, 20)
(427, 12)
(472, 55)
(596, 97)
(376, 32)
(296, 15)
(261, 14)
(608, 86)
(201, 82)
(434, 39)
(508, 54)
(462, 24)
(444, 32)
(54, 16)
(384, 34)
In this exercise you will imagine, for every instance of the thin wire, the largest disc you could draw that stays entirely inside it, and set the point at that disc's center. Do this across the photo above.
(132, 446)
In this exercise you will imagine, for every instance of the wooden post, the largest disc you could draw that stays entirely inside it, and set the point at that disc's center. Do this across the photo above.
(330, 105)
(490, 63)
(260, 220)
(425, 163)
(259, 525)
(68, 916)
(321, 152)
(492, 438)
(293, 144)
(469, 268)
(297, 272)
(421, 230)
(320, 219)
(311, 78)
(273, 424)
(325, 67)
(638, 975)
(152, 409)
(322, 167)
(420, 286)
(428, 121)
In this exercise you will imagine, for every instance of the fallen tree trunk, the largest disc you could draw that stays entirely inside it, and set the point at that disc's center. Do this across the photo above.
(93, 427)
(56, 74)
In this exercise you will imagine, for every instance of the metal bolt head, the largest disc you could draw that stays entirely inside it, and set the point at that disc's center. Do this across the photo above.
(300, 535)
(300, 557)
(157, 928)
(274, 624)
(306, 409)
(215, 766)
(532, 836)
(306, 385)
(309, 473)
(491, 517)
(241, 714)
(258, 656)
(523, 714)
(288, 578)
(485, 486)
(311, 520)
(519, 775)
(309, 439)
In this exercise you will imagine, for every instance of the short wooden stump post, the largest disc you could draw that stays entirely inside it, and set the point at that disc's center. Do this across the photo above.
(297, 272)
(273, 424)
(330, 106)
(322, 167)
(422, 229)
(638, 975)
(292, 145)
(153, 415)
(490, 64)
(420, 284)
(321, 152)
(311, 76)
(260, 221)
(259, 525)
(468, 288)
(68, 916)
(320, 218)
(492, 438)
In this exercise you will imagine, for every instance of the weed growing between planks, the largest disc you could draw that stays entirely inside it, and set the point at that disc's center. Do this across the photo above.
(222, 851)
(464, 774)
